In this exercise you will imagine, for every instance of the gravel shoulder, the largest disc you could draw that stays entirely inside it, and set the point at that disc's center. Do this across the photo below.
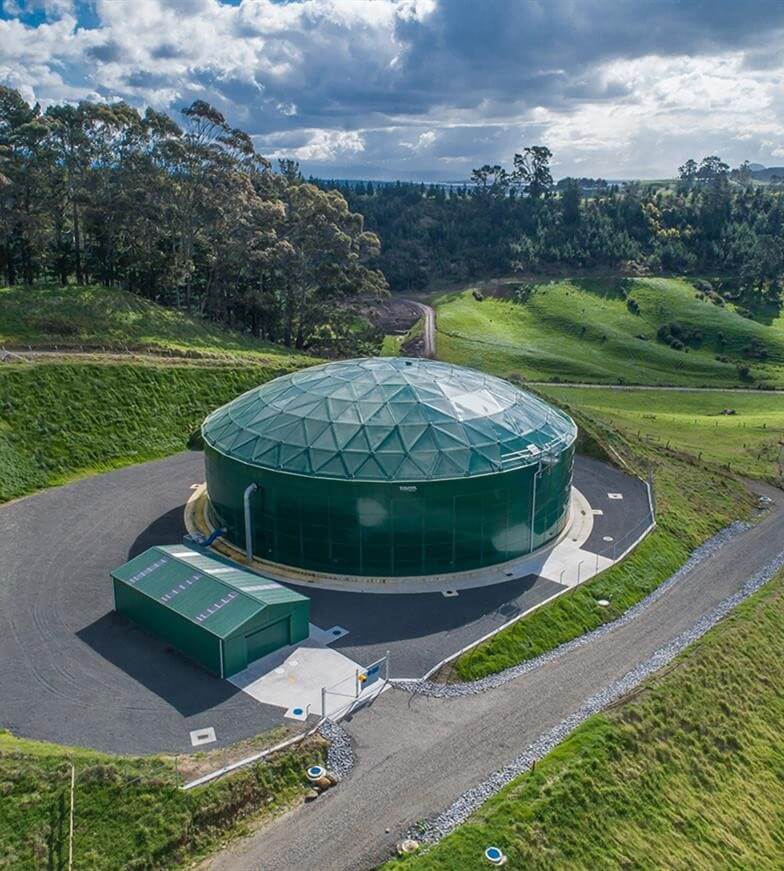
(415, 755)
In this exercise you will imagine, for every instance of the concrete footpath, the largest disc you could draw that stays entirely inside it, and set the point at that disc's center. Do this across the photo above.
(415, 755)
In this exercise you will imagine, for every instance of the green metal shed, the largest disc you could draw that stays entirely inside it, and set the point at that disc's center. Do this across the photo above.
(222, 617)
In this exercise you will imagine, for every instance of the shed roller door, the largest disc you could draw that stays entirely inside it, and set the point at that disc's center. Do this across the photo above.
(270, 638)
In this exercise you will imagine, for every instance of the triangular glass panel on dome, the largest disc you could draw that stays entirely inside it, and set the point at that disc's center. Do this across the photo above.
(336, 407)
(417, 414)
(269, 458)
(350, 414)
(366, 391)
(314, 428)
(375, 435)
(427, 461)
(390, 390)
(326, 439)
(303, 405)
(367, 408)
(389, 462)
(409, 470)
(425, 442)
(460, 457)
(296, 462)
(218, 429)
(344, 432)
(246, 451)
(410, 434)
(480, 465)
(261, 446)
(259, 414)
(399, 410)
(449, 435)
(446, 467)
(392, 444)
(479, 432)
(382, 416)
(291, 431)
(353, 460)
(343, 391)
(334, 468)
(371, 470)
(237, 439)
(358, 442)
(319, 458)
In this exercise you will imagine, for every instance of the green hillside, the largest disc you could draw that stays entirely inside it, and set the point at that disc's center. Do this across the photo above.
(609, 331)
(61, 420)
(688, 774)
(739, 429)
(130, 812)
(97, 318)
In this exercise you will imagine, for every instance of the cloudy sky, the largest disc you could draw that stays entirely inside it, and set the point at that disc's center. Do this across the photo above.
(429, 88)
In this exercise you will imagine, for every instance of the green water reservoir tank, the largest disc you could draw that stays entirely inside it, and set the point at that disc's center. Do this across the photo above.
(389, 467)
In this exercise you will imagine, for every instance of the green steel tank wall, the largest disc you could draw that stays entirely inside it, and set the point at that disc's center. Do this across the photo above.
(390, 528)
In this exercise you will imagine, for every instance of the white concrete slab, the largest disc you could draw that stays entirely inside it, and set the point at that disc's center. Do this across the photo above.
(326, 636)
(287, 686)
(572, 567)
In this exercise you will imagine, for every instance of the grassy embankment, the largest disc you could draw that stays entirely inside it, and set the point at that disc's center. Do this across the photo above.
(689, 773)
(129, 812)
(584, 330)
(66, 417)
(97, 319)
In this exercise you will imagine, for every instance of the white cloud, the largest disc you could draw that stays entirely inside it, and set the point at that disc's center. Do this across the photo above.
(402, 85)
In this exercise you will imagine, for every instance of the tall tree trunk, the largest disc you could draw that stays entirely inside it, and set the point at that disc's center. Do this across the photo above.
(77, 242)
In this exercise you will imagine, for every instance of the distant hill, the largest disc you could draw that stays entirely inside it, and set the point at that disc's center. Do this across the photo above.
(767, 173)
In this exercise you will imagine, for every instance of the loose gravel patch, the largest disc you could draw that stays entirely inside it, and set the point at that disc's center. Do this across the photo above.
(457, 690)
(459, 811)
(340, 755)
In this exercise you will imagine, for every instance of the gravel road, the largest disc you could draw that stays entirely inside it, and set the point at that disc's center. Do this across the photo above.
(415, 755)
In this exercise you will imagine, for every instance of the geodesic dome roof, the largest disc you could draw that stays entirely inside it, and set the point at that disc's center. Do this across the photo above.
(388, 419)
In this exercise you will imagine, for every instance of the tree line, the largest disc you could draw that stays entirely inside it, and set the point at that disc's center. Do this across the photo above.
(710, 220)
(188, 214)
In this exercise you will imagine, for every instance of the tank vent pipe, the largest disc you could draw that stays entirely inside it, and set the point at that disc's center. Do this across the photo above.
(249, 491)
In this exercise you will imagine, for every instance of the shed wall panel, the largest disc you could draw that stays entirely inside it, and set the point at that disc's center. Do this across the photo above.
(193, 641)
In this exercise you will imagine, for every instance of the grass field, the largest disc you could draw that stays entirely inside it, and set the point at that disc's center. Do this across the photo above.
(693, 502)
(687, 774)
(584, 330)
(94, 317)
(750, 441)
(129, 812)
(62, 420)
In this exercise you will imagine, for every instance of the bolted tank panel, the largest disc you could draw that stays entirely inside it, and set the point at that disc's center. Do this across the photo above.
(390, 468)
(381, 528)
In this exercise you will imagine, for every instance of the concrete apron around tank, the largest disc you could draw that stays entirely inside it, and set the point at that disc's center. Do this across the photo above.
(576, 532)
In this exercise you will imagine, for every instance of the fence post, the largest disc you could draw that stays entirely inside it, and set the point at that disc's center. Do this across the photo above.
(71, 824)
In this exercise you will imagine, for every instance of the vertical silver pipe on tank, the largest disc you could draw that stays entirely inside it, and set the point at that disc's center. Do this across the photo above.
(537, 475)
(249, 491)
